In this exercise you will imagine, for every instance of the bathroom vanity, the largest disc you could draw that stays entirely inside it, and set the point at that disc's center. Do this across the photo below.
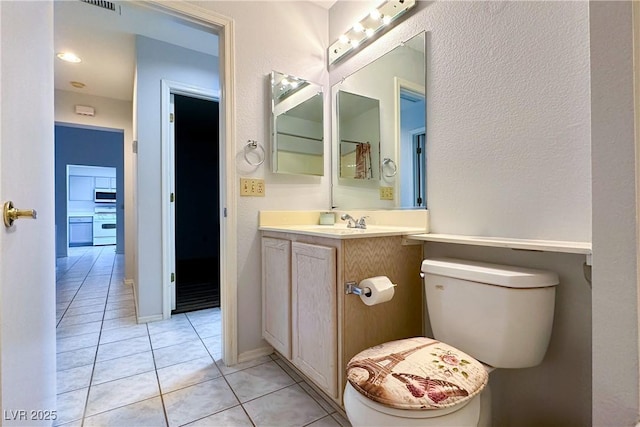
(307, 316)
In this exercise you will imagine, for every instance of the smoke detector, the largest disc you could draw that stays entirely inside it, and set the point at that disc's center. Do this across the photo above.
(85, 110)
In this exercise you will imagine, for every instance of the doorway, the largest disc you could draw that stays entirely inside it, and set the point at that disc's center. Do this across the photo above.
(211, 23)
(88, 159)
(197, 203)
(412, 148)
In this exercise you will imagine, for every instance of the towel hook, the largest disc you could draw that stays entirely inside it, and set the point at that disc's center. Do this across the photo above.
(387, 161)
(252, 144)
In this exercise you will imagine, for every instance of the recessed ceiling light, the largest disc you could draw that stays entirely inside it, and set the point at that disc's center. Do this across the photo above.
(78, 85)
(69, 57)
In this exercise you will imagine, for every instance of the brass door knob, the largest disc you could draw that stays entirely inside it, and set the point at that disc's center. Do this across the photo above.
(10, 214)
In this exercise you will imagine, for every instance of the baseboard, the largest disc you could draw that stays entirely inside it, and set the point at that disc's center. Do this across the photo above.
(147, 319)
(254, 354)
(128, 282)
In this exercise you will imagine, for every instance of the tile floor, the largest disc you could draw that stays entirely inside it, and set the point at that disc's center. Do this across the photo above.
(115, 372)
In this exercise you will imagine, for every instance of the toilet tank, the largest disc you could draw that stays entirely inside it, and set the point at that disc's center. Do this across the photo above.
(501, 315)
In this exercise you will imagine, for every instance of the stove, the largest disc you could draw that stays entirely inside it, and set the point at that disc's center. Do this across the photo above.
(104, 226)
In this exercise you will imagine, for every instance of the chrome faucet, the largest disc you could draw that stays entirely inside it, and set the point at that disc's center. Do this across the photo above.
(354, 223)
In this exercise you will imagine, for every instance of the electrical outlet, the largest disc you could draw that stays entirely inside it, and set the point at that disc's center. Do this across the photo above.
(386, 193)
(260, 187)
(252, 187)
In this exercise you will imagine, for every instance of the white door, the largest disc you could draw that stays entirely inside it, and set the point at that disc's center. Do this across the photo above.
(27, 261)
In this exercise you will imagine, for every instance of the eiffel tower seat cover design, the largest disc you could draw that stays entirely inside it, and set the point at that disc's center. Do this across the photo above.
(416, 373)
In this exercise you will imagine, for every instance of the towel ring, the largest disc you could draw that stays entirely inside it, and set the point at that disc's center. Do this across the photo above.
(387, 161)
(252, 144)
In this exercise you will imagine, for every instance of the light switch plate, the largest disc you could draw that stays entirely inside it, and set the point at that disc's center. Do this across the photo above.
(252, 187)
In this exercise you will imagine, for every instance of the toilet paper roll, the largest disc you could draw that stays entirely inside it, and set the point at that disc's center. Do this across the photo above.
(381, 290)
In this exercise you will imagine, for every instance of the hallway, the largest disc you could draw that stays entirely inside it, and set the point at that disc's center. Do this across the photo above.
(115, 372)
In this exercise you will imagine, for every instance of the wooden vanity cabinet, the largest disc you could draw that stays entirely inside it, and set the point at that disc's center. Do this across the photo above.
(308, 318)
(276, 294)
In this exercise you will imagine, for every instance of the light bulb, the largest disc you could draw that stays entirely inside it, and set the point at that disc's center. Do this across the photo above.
(69, 57)
(386, 19)
(375, 14)
(369, 32)
(344, 39)
(358, 28)
(355, 43)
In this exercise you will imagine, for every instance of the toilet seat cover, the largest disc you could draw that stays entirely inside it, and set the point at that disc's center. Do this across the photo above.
(416, 373)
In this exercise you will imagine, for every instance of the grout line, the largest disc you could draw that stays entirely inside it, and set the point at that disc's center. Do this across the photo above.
(95, 357)
(155, 367)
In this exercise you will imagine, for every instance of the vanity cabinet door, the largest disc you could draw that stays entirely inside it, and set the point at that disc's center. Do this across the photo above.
(314, 314)
(276, 294)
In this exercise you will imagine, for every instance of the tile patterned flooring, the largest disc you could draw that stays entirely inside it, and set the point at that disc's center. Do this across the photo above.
(115, 372)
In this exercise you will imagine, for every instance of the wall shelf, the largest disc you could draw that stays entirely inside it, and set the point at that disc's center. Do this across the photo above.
(504, 242)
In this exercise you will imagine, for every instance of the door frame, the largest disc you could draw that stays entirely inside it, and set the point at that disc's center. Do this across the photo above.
(168, 182)
(224, 27)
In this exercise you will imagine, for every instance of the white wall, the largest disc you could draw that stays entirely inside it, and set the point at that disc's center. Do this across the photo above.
(290, 37)
(156, 61)
(615, 230)
(509, 154)
(115, 114)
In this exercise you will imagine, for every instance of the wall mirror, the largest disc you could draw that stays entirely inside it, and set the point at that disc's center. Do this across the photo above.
(378, 132)
(297, 130)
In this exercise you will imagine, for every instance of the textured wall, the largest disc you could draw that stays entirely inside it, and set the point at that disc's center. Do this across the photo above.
(509, 154)
(289, 37)
(507, 112)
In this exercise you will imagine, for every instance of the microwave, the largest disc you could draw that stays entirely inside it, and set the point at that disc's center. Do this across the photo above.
(105, 195)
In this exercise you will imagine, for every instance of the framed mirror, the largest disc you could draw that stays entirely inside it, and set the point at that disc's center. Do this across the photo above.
(297, 130)
(382, 105)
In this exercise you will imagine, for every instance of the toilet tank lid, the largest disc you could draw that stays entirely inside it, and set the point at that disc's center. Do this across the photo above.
(493, 274)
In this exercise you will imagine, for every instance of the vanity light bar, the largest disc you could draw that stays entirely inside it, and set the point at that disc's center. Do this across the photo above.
(362, 31)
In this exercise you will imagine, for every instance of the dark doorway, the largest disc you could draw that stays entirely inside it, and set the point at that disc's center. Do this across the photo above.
(197, 204)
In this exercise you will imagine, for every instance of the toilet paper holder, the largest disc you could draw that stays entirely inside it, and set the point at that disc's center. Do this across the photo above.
(353, 288)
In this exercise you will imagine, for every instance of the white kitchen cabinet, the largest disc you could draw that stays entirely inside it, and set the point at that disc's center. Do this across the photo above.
(276, 294)
(81, 188)
(105, 182)
(314, 322)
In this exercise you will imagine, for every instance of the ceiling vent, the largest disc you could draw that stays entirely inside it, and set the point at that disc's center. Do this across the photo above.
(101, 3)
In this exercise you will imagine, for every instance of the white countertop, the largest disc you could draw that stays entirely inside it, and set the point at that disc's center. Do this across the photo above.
(340, 231)
(505, 242)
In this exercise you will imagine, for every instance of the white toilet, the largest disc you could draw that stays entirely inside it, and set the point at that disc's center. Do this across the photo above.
(495, 314)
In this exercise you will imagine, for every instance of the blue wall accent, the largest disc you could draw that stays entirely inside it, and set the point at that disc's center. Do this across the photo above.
(78, 145)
